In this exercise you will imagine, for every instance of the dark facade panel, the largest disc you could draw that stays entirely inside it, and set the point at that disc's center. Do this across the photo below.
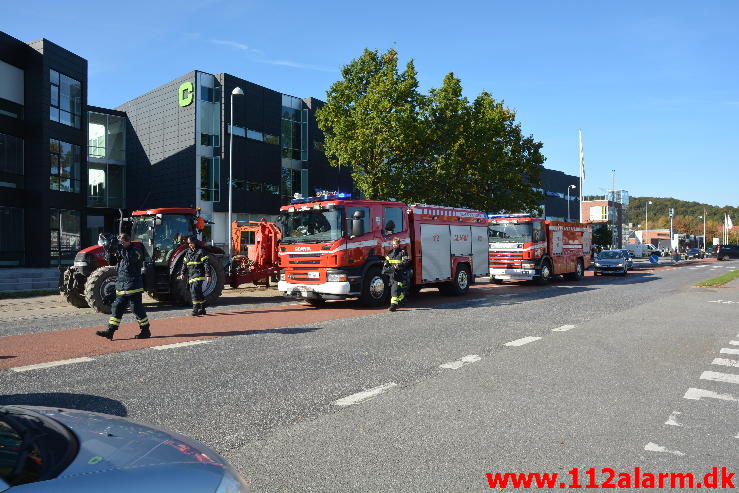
(555, 183)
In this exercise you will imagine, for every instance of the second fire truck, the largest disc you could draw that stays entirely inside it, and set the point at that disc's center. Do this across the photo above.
(523, 247)
(334, 247)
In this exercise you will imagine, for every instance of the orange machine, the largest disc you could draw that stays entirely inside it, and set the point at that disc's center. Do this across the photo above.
(257, 262)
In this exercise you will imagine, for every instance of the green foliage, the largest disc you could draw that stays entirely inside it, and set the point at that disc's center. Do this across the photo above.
(427, 148)
(687, 216)
(717, 281)
(602, 234)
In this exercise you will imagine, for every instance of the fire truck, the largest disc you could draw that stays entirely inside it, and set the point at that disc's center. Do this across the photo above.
(523, 247)
(333, 247)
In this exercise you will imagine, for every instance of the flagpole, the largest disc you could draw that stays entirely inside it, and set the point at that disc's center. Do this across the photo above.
(582, 171)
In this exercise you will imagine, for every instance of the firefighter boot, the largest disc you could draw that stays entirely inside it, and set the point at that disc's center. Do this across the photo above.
(144, 334)
(195, 310)
(393, 307)
(108, 333)
(202, 309)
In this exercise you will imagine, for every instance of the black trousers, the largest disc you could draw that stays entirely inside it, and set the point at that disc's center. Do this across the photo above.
(398, 290)
(119, 308)
(196, 293)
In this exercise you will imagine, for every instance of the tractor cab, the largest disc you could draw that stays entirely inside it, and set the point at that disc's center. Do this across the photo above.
(163, 231)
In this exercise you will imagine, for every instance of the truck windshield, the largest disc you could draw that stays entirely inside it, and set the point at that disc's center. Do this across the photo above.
(509, 233)
(312, 226)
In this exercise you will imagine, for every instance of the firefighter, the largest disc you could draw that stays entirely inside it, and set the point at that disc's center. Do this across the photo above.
(193, 269)
(396, 268)
(129, 286)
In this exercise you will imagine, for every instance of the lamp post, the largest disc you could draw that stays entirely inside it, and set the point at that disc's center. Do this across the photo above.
(646, 220)
(236, 92)
(704, 228)
(568, 201)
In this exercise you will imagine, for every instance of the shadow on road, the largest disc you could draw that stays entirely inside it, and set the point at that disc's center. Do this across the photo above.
(81, 402)
(283, 331)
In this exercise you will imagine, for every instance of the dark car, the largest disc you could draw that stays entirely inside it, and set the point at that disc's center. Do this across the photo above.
(611, 262)
(49, 450)
(694, 253)
(726, 252)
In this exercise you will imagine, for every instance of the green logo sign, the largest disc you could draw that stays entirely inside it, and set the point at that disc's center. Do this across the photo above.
(185, 93)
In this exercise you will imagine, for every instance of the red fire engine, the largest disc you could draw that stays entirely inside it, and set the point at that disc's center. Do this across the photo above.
(333, 247)
(523, 247)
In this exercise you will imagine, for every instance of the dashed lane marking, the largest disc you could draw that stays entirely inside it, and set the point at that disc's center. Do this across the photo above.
(698, 394)
(364, 395)
(734, 343)
(720, 377)
(181, 344)
(728, 350)
(52, 364)
(522, 341)
(456, 365)
(653, 447)
(725, 362)
(672, 420)
(563, 328)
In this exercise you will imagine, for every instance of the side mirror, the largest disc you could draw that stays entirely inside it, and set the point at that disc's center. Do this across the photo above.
(358, 223)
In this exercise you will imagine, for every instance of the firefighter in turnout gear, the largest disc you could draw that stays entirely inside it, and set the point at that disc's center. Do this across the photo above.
(193, 269)
(129, 285)
(396, 268)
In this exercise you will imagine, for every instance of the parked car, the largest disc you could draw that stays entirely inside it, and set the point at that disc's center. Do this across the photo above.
(726, 252)
(45, 450)
(694, 253)
(611, 262)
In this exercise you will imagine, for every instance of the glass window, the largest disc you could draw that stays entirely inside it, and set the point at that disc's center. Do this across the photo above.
(96, 135)
(116, 138)
(96, 186)
(253, 134)
(65, 101)
(116, 180)
(210, 172)
(12, 243)
(271, 139)
(64, 160)
(64, 228)
(11, 161)
(168, 235)
(393, 220)
(366, 220)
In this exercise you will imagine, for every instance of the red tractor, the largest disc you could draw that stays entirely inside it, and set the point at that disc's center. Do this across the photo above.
(163, 233)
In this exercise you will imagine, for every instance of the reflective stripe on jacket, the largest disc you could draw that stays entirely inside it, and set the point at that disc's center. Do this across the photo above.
(193, 264)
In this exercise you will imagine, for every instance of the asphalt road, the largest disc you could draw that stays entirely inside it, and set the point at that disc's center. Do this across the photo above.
(605, 372)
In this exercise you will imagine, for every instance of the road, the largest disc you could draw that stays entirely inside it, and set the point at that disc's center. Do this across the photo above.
(604, 372)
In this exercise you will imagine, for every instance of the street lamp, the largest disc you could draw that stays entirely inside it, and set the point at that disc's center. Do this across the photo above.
(568, 201)
(236, 92)
(646, 221)
(704, 229)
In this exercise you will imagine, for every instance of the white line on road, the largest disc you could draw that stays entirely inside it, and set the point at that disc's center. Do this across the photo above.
(181, 344)
(728, 350)
(698, 394)
(653, 447)
(456, 365)
(672, 420)
(720, 377)
(734, 343)
(725, 362)
(563, 328)
(522, 341)
(364, 395)
(52, 364)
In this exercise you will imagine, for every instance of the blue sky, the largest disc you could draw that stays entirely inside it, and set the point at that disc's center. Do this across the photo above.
(653, 85)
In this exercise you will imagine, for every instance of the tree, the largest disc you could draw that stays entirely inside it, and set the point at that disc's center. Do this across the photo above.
(435, 148)
(602, 234)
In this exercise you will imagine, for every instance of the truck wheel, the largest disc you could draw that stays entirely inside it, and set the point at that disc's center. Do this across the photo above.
(375, 288)
(460, 284)
(211, 290)
(100, 288)
(496, 281)
(577, 275)
(545, 276)
(316, 302)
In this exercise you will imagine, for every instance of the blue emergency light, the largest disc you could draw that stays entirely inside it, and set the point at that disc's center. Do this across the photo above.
(322, 197)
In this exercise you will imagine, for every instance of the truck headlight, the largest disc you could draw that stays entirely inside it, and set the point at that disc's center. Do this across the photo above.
(527, 265)
(80, 263)
(597, 264)
(336, 278)
(282, 275)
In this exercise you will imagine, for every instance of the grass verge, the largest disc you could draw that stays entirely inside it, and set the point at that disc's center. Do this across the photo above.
(719, 280)
(27, 294)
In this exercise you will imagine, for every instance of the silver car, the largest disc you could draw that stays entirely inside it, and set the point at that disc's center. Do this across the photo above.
(63, 450)
(611, 262)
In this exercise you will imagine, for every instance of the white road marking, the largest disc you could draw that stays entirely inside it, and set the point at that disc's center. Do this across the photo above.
(698, 394)
(653, 447)
(725, 362)
(734, 343)
(563, 328)
(52, 364)
(181, 344)
(672, 420)
(456, 365)
(720, 377)
(522, 341)
(364, 395)
(728, 350)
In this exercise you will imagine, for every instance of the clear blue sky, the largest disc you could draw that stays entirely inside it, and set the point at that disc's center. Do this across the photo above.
(653, 85)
